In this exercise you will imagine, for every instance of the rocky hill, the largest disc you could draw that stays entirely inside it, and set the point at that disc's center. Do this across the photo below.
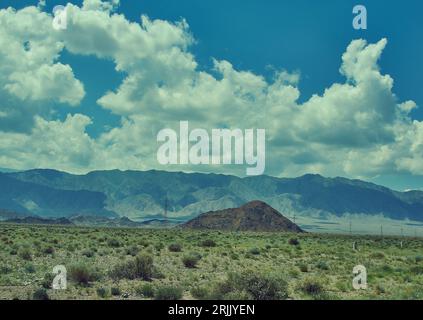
(254, 216)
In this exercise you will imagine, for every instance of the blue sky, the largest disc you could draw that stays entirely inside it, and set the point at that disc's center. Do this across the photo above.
(304, 35)
(308, 37)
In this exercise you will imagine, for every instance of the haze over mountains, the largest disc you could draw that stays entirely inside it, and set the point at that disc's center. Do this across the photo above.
(26, 198)
(141, 195)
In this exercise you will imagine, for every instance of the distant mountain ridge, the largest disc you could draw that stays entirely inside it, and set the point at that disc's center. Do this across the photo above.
(31, 198)
(253, 216)
(38, 220)
(141, 195)
(89, 221)
(6, 214)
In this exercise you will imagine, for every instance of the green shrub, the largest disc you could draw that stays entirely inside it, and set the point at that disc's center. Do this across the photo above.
(175, 247)
(237, 295)
(113, 243)
(158, 274)
(115, 291)
(29, 268)
(141, 267)
(234, 256)
(48, 250)
(144, 266)
(191, 260)
(303, 267)
(254, 251)
(47, 282)
(102, 292)
(312, 287)
(40, 294)
(417, 270)
(159, 246)
(168, 292)
(322, 265)
(82, 274)
(222, 289)
(377, 255)
(88, 253)
(208, 243)
(25, 254)
(263, 286)
(144, 243)
(387, 268)
(132, 251)
(252, 286)
(293, 242)
(380, 289)
(199, 292)
(4, 269)
(146, 290)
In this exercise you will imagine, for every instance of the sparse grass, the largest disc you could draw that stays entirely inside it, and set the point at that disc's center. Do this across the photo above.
(200, 292)
(303, 267)
(166, 264)
(322, 265)
(168, 292)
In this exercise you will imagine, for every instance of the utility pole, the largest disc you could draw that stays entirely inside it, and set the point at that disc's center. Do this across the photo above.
(165, 209)
(350, 228)
(381, 230)
(402, 236)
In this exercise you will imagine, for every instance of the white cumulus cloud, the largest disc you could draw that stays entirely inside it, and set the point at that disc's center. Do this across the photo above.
(356, 128)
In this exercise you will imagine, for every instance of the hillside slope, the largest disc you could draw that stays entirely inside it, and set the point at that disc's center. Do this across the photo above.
(29, 198)
(253, 216)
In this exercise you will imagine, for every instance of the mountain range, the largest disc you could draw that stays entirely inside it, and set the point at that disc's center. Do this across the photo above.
(91, 221)
(179, 197)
